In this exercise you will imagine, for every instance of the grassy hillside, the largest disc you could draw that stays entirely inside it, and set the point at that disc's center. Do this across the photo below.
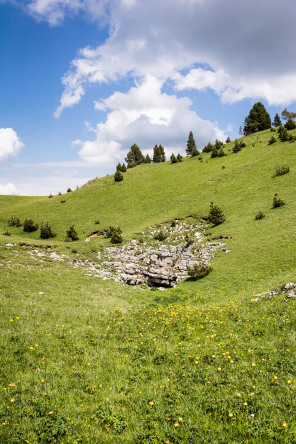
(85, 360)
(241, 184)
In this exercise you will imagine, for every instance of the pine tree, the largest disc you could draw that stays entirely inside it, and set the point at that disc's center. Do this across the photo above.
(173, 158)
(147, 159)
(286, 115)
(208, 148)
(190, 144)
(228, 139)
(214, 153)
(118, 177)
(179, 157)
(216, 216)
(257, 120)
(158, 154)
(277, 120)
(134, 155)
(194, 152)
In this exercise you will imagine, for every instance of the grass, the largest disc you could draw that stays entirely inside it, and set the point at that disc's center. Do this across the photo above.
(85, 360)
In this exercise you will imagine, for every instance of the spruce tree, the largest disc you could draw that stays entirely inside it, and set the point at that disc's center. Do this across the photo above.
(190, 144)
(173, 158)
(158, 154)
(147, 159)
(179, 157)
(134, 155)
(214, 152)
(194, 152)
(257, 120)
(277, 120)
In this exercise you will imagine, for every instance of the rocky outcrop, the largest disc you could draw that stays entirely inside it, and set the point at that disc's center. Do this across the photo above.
(150, 262)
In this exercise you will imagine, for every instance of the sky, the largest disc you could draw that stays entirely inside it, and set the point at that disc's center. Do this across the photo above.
(83, 80)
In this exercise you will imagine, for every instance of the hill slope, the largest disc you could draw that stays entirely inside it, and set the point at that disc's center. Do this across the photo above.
(241, 184)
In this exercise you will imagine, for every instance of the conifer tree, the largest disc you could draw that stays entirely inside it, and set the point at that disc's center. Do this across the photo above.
(134, 155)
(147, 159)
(214, 152)
(190, 144)
(277, 120)
(179, 157)
(158, 154)
(194, 152)
(173, 158)
(257, 120)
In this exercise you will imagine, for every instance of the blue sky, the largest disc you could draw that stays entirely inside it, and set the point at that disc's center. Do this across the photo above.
(82, 80)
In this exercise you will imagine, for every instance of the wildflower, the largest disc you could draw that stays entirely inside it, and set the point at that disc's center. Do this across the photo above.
(12, 400)
(253, 364)
(31, 348)
(285, 424)
(180, 419)
(275, 377)
(42, 380)
(50, 413)
(230, 414)
(176, 424)
(289, 382)
(151, 403)
(238, 395)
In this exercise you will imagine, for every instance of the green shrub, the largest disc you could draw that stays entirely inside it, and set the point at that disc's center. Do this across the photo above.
(259, 215)
(272, 140)
(6, 233)
(173, 158)
(114, 234)
(216, 216)
(280, 170)
(198, 271)
(160, 236)
(50, 196)
(131, 165)
(118, 177)
(284, 135)
(30, 226)
(221, 153)
(14, 222)
(208, 148)
(290, 124)
(97, 222)
(277, 201)
(238, 146)
(194, 152)
(46, 231)
(72, 234)
(69, 190)
(116, 238)
(179, 157)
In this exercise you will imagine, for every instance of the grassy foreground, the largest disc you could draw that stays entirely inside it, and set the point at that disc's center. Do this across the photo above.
(83, 360)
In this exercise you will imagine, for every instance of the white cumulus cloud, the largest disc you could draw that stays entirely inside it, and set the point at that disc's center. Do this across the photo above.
(8, 189)
(10, 144)
(148, 115)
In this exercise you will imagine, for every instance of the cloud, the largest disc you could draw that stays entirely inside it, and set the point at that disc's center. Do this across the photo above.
(10, 144)
(248, 47)
(148, 115)
(55, 11)
(8, 189)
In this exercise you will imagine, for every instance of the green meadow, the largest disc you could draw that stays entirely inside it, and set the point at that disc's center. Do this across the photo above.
(87, 360)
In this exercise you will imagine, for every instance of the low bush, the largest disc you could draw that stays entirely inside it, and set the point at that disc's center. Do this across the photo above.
(14, 222)
(198, 271)
(118, 177)
(173, 158)
(72, 234)
(131, 165)
(114, 234)
(6, 233)
(280, 170)
(46, 231)
(216, 216)
(290, 125)
(179, 157)
(160, 236)
(277, 201)
(259, 215)
(272, 140)
(69, 190)
(30, 226)
(284, 135)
